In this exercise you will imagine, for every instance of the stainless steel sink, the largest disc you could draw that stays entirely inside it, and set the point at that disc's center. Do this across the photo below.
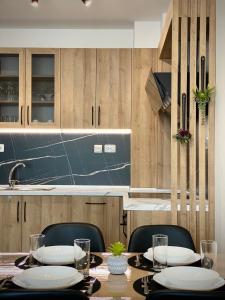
(25, 188)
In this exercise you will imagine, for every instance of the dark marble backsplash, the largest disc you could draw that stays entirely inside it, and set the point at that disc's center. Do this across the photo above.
(65, 158)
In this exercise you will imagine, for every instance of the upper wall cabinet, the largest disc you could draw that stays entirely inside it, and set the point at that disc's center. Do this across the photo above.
(12, 87)
(95, 88)
(42, 88)
(31, 100)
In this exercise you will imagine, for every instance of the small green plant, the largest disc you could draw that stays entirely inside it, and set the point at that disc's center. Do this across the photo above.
(117, 248)
(183, 136)
(202, 98)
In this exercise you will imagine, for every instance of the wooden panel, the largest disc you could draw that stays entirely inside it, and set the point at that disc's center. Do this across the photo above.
(165, 43)
(10, 224)
(41, 211)
(78, 82)
(192, 105)
(211, 118)
(174, 110)
(150, 133)
(104, 212)
(202, 132)
(113, 88)
(21, 120)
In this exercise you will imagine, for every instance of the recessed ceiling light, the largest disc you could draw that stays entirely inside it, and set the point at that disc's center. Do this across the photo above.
(87, 3)
(34, 3)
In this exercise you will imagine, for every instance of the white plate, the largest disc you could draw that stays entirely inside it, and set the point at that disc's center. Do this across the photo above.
(189, 278)
(176, 256)
(57, 255)
(48, 277)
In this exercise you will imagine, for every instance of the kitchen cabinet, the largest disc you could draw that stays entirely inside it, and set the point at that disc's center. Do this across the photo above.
(25, 215)
(30, 88)
(95, 88)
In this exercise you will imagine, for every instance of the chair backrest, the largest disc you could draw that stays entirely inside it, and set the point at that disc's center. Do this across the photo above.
(43, 295)
(182, 295)
(141, 237)
(66, 233)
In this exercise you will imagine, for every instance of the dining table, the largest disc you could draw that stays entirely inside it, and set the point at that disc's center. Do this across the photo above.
(112, 286)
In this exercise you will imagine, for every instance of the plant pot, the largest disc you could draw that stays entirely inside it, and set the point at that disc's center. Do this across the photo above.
(117, 264)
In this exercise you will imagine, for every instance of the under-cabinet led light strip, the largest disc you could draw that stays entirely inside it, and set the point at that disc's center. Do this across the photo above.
(57, 130)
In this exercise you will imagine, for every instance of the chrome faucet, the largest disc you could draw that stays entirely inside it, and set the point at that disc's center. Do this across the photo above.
(12, 182)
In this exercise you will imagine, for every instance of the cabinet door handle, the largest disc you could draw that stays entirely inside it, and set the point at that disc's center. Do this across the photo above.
(92, 115)
(21, 115)
(99, 115)
(95, 203)
(28, 117)
(18, 212)
(25, 212)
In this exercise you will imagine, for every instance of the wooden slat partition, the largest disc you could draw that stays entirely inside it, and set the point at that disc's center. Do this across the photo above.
(192, 165)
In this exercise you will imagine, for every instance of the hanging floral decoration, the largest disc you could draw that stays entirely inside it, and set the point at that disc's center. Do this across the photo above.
(183, 136)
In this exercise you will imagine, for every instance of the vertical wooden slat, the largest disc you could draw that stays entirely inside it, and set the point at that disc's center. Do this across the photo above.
(202, 131)
(183, 147)
(211, 118)
(192, 147)
(174, 110)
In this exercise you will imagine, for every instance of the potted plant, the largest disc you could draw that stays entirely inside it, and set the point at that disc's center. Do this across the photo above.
(117, 263)
(183, 136)
(202, 98)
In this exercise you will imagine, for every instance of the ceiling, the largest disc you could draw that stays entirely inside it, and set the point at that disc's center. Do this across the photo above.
(73, 14)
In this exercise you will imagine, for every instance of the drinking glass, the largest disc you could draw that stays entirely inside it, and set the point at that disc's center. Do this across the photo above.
(82, 255)
(208, 250)
(159, 245)
(37, 242)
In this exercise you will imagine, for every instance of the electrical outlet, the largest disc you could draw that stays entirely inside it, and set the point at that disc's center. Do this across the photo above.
(97, 148)
(2, 148)
(108, 148)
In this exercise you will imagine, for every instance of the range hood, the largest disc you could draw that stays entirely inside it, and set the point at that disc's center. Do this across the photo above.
(158, 89)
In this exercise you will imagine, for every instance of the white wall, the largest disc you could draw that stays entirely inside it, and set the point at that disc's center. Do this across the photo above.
(67, 38)
(144, 35)
(220, 126)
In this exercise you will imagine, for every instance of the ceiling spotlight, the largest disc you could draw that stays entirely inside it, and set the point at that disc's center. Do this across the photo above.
(34, 3)
(87, 3)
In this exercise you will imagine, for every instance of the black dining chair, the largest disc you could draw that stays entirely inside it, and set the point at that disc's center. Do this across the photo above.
(182, 295)
(141, 237)
(42, 295)
(66, 233)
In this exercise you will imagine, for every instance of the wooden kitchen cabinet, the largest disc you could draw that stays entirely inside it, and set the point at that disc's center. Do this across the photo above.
(10, 223)
(29, 88)
(95, 88)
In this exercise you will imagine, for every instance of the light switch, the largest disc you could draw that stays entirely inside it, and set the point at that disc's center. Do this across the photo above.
(97, 148)
(2, 148)
(110, 148)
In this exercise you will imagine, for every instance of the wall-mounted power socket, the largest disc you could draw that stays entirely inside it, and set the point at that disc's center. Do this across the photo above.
(2, 148)
(97, 148)
(110, 148)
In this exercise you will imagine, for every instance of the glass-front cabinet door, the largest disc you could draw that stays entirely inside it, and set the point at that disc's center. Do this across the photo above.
(43, 88)
(12, 87)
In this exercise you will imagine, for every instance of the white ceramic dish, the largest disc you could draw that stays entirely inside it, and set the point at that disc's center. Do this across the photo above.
(48, 277)
(57, 255)
(176, 256)
(189, 278)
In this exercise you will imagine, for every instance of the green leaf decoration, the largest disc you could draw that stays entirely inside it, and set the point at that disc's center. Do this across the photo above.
(117, 248)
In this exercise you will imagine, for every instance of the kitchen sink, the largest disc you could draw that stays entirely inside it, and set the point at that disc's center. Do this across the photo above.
(25, 188)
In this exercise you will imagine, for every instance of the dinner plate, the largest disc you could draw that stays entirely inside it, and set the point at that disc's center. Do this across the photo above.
(60, 255)
(48, 277)
(176, 256)
(189, 278)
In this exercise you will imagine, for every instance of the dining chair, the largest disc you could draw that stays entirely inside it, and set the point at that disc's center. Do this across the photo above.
(182, 295)
(42, 295)
(141, 237)
(66, 233)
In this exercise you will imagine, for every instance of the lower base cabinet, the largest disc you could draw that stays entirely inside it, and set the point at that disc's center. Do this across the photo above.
(25, 215)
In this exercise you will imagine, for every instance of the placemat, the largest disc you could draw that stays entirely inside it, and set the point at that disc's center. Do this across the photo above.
(146, 264)
(95, 261)
(81, 286)
(152, 285)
